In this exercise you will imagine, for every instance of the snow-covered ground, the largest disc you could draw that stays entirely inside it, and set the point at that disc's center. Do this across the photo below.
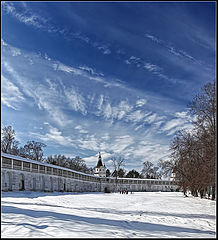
(106, 215)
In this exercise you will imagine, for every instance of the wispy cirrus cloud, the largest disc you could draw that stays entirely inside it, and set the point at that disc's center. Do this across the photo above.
(153, 38)
(81, 129)
(75, 100)
(28, 17)
(89, 73)
(11, 94)
(150, 67)
(104, 49)
(180, 121)
(90, 70)
(54, 135)
(172, 49)
(97, 81)
(110, 120)
(109, 111)
(24, 16)
(44, 99)
(141, 102)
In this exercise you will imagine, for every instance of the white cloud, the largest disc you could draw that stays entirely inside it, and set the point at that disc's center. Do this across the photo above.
(15, 51)
(152, 67)
(173, 123)
(90, 70)
(150, 119)
(186, 126)
(135, 116)
(57, 95)
(75, 100)
(153, 38)
(113, 112)
(139, 127)
(173, 50)
(158, 124)
(141, 102)
(80, 129)
(43, 98)
(133, 58)
(121, 143)
(11, 95)
(61, 67)
(183, 121)
(94, 158)
(90, 142)
(109, 162)
(26, 17)
(79, 36)
(87, 73)
(181, 114)
(104, 49)
(105, 137)
(107, 112)
(100, 102)
(56, 136)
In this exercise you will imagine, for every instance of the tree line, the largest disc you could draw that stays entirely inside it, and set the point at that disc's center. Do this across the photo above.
(149, 170)
(193, 152)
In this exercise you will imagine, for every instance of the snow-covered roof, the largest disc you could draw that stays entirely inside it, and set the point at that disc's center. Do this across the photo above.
(7, 155)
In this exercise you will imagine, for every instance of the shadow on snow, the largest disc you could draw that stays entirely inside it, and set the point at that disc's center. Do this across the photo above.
(107, 222)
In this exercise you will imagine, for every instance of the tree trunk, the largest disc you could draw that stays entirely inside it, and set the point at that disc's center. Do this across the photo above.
(201, 193)
(213, 193)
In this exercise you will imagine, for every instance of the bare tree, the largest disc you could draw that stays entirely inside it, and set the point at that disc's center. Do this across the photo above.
(165, 168)
(8, 142)
(77, 163)
(203, 107)
(193, 157)
(33, 150)
(147, 169)
(185, 161)
(117, 163)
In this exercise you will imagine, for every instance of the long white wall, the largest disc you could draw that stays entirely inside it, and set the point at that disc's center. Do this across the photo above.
(24, 174)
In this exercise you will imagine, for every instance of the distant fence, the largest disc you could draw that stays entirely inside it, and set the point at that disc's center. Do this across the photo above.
(25, 174)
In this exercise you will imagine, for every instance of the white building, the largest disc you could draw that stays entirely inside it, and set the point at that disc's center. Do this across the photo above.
(100, 170)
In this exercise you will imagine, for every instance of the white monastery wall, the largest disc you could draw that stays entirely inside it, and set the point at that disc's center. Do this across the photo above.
(24, 174)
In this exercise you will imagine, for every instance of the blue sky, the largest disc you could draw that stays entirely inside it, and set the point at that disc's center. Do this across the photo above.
(114, 77)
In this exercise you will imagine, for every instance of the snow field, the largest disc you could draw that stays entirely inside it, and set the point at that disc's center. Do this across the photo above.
(102, 215)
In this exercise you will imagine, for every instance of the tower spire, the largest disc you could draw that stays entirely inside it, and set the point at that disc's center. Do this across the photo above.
(99, 161)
